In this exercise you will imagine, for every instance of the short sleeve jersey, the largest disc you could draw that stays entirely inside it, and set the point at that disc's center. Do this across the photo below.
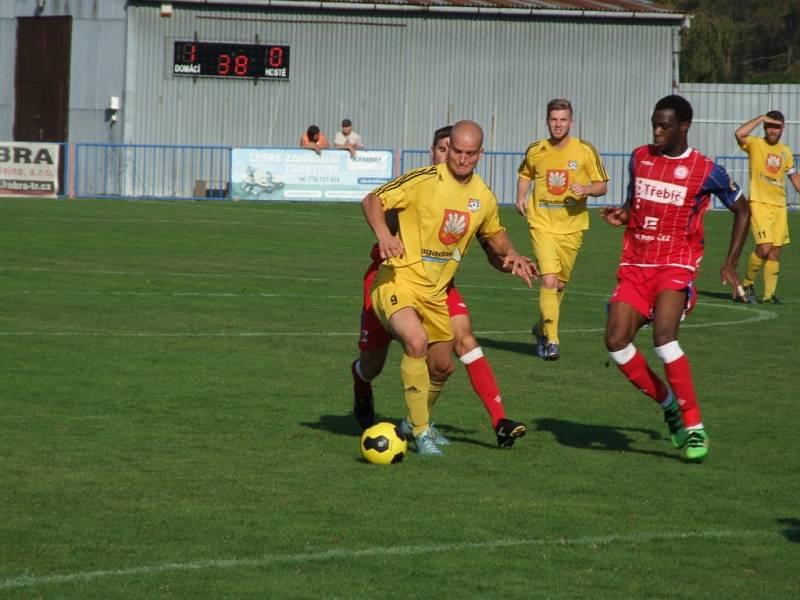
(769, 165)
(668, 197)
(438, 218)
(553, 170)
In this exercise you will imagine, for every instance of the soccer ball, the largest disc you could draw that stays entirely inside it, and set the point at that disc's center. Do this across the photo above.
(383, 444)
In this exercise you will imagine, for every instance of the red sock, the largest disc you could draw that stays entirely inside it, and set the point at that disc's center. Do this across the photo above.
(641, 375)
(485, 385)
(679, 375)
(362, 388)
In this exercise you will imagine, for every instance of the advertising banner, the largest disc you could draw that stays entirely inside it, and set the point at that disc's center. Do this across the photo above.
(301, 174)
(28, 169)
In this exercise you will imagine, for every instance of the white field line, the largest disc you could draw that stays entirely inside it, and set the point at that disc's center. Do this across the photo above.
(152, 274)
(268, 225)
(374, 552)
(760, 315)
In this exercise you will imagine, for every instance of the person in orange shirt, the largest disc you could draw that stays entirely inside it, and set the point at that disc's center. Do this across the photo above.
(314, 139)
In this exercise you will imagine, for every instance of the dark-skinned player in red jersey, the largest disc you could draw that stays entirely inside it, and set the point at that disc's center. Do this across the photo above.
(669, 191)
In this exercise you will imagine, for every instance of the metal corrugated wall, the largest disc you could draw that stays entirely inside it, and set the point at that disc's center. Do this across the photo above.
(720, 108)
(398, 77)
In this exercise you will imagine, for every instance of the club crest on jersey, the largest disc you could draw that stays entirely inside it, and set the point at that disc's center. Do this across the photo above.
(572, 165)
(773, 163)
(557, 181)
(681, 172)
(474, 205)
(454, 225)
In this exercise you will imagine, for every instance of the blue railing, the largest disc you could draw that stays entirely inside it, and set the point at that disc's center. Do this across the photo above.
(200, 172)
(737, 168)
(151, 171)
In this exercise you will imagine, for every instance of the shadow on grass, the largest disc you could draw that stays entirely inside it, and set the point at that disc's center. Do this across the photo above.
(717, 295)
(346, 425)
(518, 347)
(792, 531)
(599, 437)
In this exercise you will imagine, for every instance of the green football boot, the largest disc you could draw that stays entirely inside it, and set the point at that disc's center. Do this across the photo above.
(674, 420)
(696, 445)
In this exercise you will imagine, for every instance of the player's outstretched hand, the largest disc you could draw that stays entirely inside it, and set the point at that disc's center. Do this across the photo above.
(615, 215)
(521, 266)
(728, 275)
(391, 246)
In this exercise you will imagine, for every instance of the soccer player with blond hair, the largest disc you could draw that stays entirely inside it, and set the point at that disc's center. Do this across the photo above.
(565, 171)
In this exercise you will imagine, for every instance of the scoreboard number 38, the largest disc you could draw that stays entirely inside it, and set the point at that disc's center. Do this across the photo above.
(230, 60)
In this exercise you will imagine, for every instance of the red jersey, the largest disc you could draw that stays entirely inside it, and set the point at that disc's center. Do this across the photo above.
(668, 196)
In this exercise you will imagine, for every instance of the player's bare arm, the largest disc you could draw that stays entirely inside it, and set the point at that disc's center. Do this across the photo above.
(523, 185)
(616, 215)
(596, 188)
(521, 266)
(795, 179)
(747, 128)
(389, 245)
(499, 263)
(741, 226)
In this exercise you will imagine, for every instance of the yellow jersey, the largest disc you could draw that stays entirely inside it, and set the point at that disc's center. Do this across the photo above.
(438, 218)
(554, 207)
(769, 165)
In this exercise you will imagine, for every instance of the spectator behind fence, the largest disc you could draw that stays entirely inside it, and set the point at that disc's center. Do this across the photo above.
(314, 139)
(347, 139)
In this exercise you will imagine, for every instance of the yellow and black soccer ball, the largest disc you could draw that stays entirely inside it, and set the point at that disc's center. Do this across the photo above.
(383, 444)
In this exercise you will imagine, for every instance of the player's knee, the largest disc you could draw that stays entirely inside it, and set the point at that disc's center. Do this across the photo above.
(416, 345)
(550, 281)
(663, 335)
(616, 341)
(763, 251)
(465, 343)
(441, 371)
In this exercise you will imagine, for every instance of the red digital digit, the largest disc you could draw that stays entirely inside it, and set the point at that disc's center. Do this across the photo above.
(189, 53)
(224, 64)
(240, 64)
(275, 57)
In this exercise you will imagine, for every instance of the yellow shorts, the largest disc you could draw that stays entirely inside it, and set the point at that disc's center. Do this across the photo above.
(390, 293)
(556, 252)
(769, 224)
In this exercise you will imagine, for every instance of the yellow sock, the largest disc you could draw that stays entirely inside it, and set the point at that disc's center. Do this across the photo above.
(549, 308)
(754, 264)
(434, 389)
(416, 382)
(771, 269)
(560, 297)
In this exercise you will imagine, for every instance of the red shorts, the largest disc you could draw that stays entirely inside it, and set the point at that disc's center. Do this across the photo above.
(640, 286)
(373, 335)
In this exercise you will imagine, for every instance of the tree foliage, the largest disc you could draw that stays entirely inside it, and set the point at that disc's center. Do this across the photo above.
(740, 41)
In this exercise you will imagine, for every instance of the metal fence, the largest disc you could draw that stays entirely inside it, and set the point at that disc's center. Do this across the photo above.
(202, 172)
(151, 171)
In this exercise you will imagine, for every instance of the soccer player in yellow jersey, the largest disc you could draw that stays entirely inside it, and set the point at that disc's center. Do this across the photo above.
(770, 161)
(564, 171)
(440, 209)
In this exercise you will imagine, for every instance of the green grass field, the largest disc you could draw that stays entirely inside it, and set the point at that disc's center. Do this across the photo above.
(176, 423)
